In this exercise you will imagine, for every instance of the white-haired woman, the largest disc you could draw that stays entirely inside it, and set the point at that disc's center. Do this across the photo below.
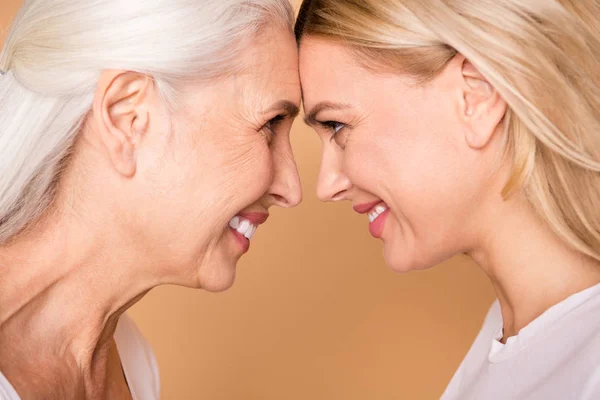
(141, 143)
(473, 127)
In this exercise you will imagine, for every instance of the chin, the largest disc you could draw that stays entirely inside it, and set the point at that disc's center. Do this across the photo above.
(216, 278)
(405, 260)
(217, 285)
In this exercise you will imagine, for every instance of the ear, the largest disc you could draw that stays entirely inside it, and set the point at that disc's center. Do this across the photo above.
(121, 107)
(482, 107)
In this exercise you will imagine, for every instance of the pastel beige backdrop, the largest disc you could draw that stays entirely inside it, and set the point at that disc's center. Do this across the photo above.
(315, 314)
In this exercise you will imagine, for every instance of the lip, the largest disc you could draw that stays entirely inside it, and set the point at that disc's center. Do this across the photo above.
(376, 227)
(365, 208)
(255, 218)
(241, 240)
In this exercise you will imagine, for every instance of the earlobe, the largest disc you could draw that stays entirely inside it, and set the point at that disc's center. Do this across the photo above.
(121, 104)
(483, 108)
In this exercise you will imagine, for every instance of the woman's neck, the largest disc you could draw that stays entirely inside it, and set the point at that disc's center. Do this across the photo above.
(530, 267)
(62, 292)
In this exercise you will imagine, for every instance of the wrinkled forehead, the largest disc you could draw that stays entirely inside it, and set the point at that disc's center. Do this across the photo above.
(269, 64)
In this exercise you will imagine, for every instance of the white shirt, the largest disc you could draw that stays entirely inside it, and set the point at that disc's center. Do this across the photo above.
(137, 359)
(557, 356)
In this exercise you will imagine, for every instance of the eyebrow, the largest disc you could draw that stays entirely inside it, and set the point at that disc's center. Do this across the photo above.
(311, 117)
(291, 109)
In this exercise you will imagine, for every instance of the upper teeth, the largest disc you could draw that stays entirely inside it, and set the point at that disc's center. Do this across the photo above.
(376, 212)
(243, 226)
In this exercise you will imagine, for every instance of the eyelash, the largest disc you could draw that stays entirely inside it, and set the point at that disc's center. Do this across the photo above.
(332, 125)
(272, 124)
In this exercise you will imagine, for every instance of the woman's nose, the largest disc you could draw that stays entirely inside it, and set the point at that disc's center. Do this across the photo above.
(286, 190)
(332, 183)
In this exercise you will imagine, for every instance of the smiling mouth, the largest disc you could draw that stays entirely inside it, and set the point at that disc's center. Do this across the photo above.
(246, 223)
(243, 226)
(377, 211)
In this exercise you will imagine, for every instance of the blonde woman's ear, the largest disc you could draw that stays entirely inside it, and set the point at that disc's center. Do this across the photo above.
(482, 107)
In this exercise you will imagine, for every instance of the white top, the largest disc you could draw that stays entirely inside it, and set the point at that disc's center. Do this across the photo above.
(137, 358)
(557, 356)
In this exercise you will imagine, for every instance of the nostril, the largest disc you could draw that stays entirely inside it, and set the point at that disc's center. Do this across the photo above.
(338, 196)
(280, 200)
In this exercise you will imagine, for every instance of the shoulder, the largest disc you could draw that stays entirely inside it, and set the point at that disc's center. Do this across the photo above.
(579, 333)
(477, 355)
(137, 357)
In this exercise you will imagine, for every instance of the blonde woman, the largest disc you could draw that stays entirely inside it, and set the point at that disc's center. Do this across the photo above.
(473, 127)
(141, 143)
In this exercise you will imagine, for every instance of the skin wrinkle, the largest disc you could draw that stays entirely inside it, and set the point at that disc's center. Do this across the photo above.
(110, 237)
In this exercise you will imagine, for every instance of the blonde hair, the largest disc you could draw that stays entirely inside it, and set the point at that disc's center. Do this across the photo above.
(56, 51)
(543, 57)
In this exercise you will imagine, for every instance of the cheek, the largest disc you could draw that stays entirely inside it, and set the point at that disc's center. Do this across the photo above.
(238, 172)
(209, 176)
(416, 175)
(413, 166)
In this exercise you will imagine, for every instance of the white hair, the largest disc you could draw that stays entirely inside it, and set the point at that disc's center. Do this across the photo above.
(56, 51)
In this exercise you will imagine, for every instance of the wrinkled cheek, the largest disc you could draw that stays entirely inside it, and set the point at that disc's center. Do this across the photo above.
(249, 173)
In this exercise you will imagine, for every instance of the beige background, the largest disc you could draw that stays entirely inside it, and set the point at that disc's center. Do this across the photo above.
(315, 313)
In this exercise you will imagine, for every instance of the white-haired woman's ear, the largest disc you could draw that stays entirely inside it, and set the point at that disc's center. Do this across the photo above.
(141, 143)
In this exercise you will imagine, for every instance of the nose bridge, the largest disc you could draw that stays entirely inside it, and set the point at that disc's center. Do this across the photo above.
(332, 180)
(286, 180)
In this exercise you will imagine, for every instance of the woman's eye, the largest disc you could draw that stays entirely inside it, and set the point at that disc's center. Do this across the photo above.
(334, 127)
(271, 127)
